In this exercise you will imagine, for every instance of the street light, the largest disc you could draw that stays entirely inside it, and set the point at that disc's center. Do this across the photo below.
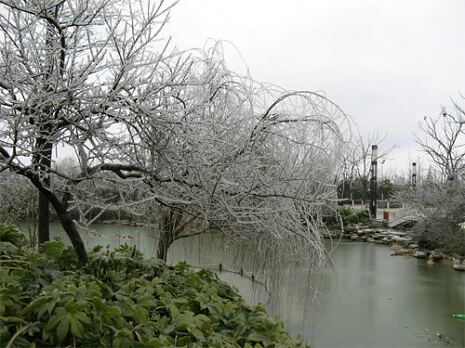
(414, 175)
(374, 173)
(381, 177)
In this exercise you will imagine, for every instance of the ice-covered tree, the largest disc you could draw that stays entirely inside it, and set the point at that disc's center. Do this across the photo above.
(174, 133)
(440, 197)
(70, 71)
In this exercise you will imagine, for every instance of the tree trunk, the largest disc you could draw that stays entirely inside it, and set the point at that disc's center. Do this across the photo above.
(167, 228)
(43, 219)
(61, 207)
(70, 228)
(66, 221)
(364, 190)
(44, 162)
(43, 142)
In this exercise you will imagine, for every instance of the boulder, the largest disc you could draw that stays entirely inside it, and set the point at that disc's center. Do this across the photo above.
(400, 239)
(458, 263)
(420, 254)
(430, 262)
(398, 250)
(350, 229)
(436, 255)
(365, 231)
(384, 232)
(398, 233)
(346, 234)
(377, 236)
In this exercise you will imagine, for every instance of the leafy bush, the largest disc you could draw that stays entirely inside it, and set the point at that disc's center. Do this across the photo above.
(121, 300)
(347, 215)
(10, 234)
(440, 232)
(442, 207)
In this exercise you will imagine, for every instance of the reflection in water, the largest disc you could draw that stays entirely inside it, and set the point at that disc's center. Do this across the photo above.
(369, 299)
(284, 284)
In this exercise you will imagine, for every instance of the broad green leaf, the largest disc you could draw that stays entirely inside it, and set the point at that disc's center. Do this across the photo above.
(123, 339)
(82, 317)
(199, 336)
(113, 311)
(183, 341)
(146, 301)
(76, 328)
(62, 329)
(139, 314)
(256, 337)
(13, 320)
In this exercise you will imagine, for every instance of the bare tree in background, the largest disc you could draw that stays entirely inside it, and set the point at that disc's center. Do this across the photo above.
(440, 197)
(357, 161)
(444, 142)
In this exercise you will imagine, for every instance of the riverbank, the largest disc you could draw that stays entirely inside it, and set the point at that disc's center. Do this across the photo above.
(365, 283)
(401, 242)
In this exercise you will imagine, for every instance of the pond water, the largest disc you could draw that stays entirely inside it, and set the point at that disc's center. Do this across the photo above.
(368, 298)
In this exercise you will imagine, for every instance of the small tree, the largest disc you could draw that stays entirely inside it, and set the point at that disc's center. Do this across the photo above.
(233, 156)
(386, 189)
(441, 196)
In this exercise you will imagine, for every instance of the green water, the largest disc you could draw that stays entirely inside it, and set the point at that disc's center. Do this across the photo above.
(369, 299)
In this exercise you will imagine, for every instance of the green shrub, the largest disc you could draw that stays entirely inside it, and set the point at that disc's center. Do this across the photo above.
(347, 215)
(10, 234)
(121, 300)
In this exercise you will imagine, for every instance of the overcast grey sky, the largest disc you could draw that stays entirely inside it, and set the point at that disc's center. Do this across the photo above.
(386, 63)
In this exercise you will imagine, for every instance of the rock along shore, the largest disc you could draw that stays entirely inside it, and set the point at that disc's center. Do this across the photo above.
(401, 243)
